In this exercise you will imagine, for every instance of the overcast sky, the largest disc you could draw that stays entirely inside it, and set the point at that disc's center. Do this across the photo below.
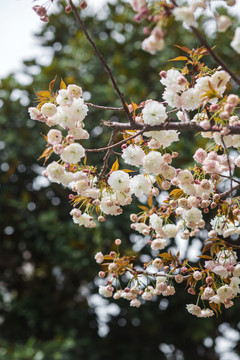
(18, 23)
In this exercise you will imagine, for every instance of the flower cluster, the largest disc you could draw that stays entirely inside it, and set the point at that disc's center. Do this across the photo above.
(216, 284)
(195, 98)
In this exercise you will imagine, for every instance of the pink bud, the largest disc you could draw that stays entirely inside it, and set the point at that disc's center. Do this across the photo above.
(124, 146)
(209, 280)
(184, 270)
(166, 185)
(68, 9)
(118, 242)
(163, 74)
(224, 115)
(146, 30)
(213, 205)
(181, 80)
(44, 18)
(191, 291)
(101, 274)
(71, 196)
(213, 108)
(233, 100)
(137, 18)
(228, 107)
(133, 217)
(83, 5)
(112, 253)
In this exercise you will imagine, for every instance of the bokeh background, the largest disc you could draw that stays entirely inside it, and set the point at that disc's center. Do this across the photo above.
(49, 303)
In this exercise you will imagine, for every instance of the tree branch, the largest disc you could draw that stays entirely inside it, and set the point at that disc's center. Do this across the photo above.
(116, 144)
(108, 153)
(102, 60)
(228, 177)
(229, 168)
(172, 125)
(226, 193)
(160, 273)
(218, 60)
(104, 107)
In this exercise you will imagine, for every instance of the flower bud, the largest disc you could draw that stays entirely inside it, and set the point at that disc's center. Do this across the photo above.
(101, 274)
(209, 280)
(83, 5)
(213, 108)
(163, 74)
(224, 115)
(179, 278)
(191, 291)
(118, 242)
(68, 9)
(184, 269)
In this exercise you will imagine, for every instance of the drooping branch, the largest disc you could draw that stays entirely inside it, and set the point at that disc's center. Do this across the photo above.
(218, 60)
(102, 60)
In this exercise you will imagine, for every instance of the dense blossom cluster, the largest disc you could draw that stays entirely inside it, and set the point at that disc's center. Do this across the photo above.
(157, 13)
(217, 283)
(198, 100)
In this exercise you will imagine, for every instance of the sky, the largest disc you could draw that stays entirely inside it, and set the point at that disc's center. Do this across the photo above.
(18, 23)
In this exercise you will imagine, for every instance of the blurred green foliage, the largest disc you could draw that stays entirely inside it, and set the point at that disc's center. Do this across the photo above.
(48, 309)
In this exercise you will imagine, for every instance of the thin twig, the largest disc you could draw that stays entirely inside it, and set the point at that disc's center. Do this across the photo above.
(226, 193)
(218, 60)
(228, 177)
(108, 153)
(116, 144)
(104, 107)
(101, 58)
(146, 273)
(229, 167)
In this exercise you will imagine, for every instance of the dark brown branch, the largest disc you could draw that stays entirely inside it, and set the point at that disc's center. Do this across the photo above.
(226, 193)
(229, 167)
(104, 107)
(218, 60)
(101, 58)
(116, 144)
(228, 177)
(108, 153)
(170, 125)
